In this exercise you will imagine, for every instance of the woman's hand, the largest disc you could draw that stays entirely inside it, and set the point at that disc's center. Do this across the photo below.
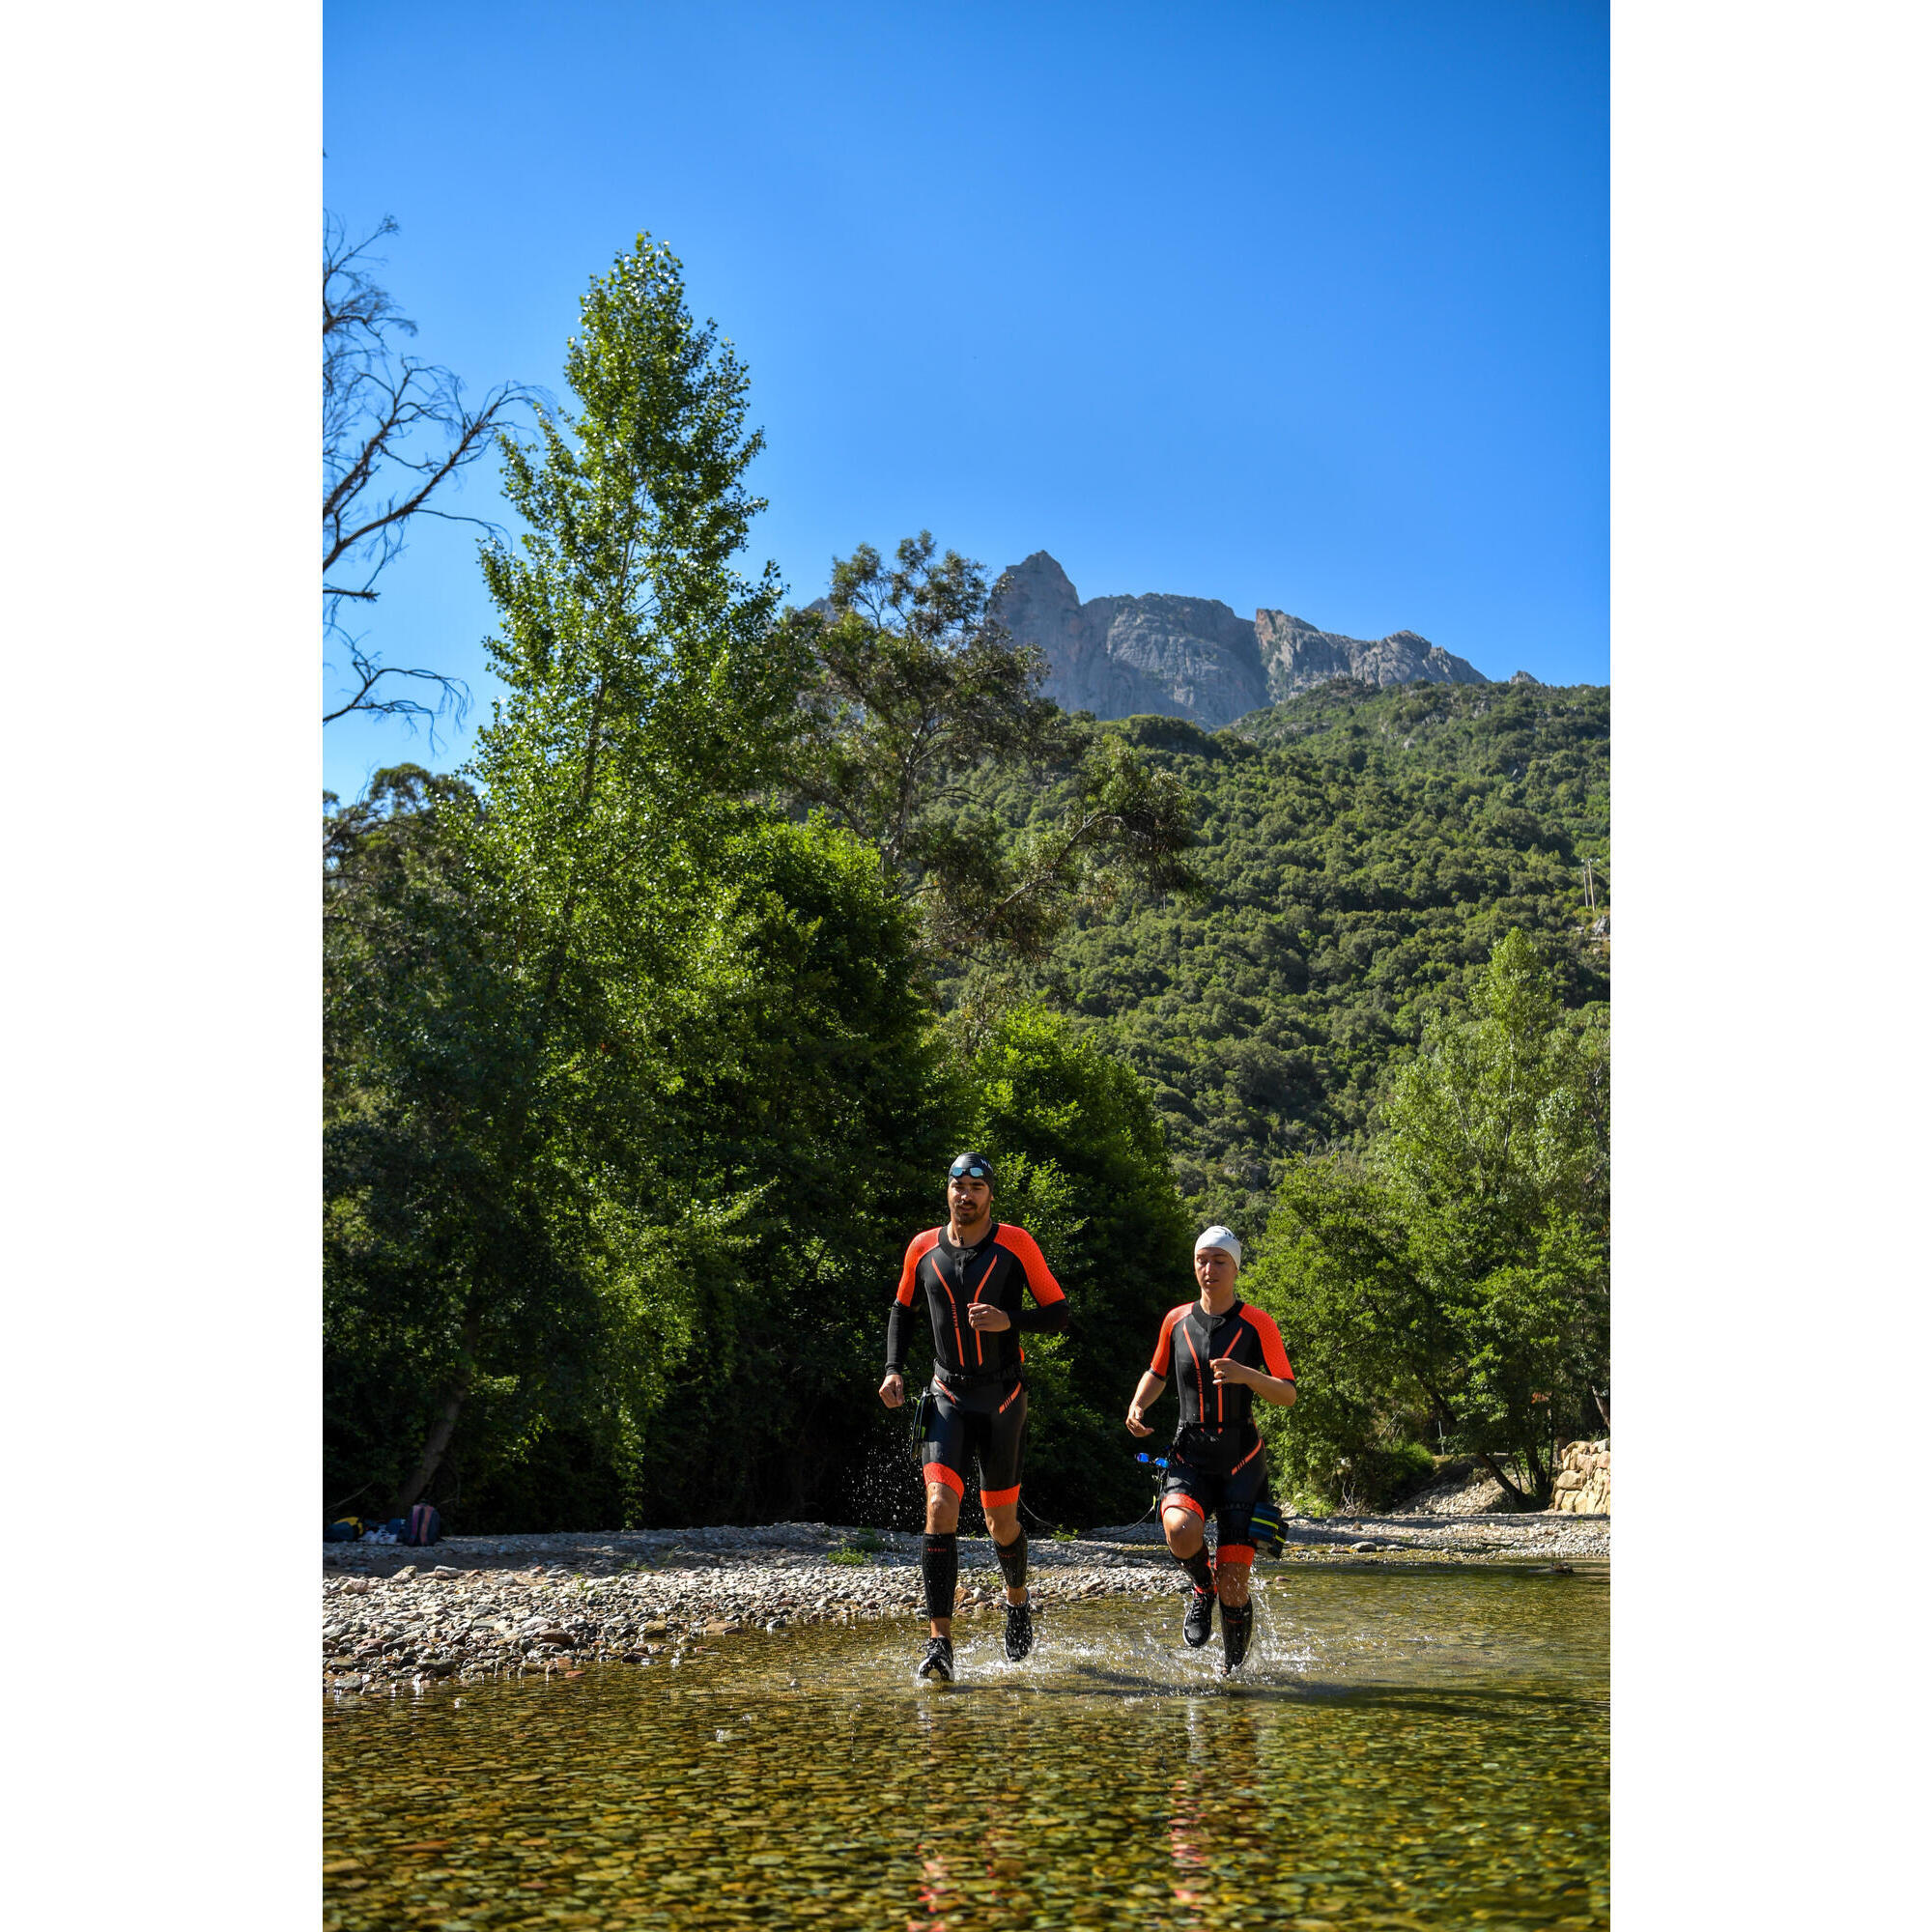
(984, 1316)
(1147, 1390)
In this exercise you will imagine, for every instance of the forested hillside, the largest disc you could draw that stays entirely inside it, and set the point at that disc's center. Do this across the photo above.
(1361, 852)
(1553, 740)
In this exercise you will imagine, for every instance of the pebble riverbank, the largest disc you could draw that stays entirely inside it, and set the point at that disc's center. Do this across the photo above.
(397, 1619)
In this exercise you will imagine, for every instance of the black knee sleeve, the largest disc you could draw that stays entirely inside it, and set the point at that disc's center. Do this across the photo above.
(939, 1566)
(1012, 1561)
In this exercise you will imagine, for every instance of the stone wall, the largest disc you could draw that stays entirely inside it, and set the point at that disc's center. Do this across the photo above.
(1583, 1479)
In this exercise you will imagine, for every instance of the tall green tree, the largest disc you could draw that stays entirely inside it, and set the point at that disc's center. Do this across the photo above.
(645, 698)
(913, 692)
(1455, 1277)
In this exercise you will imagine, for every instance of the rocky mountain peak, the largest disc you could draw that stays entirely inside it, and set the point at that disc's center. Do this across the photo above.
(1192, 657)
(1036, 598)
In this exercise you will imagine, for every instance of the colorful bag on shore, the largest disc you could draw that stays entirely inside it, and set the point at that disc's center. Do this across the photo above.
(424, 1526)
(344, 1529)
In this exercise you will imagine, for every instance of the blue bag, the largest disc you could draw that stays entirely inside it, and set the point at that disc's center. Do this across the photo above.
(1268, 1527)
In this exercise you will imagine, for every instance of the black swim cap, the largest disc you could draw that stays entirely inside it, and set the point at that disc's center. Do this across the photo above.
(971, 1167)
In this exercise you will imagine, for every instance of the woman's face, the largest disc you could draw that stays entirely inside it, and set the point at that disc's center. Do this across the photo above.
(1214, 1270)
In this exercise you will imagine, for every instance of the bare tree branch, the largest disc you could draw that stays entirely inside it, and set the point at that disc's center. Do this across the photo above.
(452, 694)
(396, 431)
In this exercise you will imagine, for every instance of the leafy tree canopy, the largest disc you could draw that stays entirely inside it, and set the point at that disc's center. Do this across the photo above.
(914, 700)
(1452, 1278)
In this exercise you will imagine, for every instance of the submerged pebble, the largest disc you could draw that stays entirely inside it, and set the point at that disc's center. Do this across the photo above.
(812, 1783)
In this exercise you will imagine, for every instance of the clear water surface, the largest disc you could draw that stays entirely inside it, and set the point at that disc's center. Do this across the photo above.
(1408, 1748)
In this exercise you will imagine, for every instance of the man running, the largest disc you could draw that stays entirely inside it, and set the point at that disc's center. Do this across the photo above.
(1224, 1353)
(973, 1271)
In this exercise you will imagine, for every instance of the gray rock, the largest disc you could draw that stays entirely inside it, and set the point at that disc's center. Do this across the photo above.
(1119, 657)
(1191, 657)
(1297, 656)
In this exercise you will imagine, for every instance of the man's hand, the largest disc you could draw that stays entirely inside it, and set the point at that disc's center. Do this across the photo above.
(1226, 1371)
(1135, 1425)
(986, 1317)
(892, 1391)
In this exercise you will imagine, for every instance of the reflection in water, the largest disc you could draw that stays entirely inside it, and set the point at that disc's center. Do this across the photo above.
(1406, 1748)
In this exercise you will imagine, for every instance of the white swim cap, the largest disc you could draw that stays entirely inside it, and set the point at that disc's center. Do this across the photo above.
(1218, 1237)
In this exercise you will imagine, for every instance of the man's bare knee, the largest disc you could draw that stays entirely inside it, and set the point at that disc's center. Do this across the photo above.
(1003, 1524)
(1232, 1580)
(942, 1510)
(1184, 1531)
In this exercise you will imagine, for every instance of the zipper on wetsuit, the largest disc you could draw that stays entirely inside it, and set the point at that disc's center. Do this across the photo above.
(1227, 1355)
(1221, 1388)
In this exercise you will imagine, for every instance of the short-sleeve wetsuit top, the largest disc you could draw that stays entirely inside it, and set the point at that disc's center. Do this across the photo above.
(1190, 1339)
(999, 1269)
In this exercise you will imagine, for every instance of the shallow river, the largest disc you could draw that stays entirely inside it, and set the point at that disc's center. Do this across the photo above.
(1406, 1747)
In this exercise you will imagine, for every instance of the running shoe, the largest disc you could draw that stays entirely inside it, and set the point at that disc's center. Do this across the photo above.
(1237, 1627)
(1197, 1625)
(1020, 1631)
(938, 1664)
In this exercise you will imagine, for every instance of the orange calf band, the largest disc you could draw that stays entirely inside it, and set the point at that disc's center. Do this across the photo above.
(1239, 1554)
(998, 1499)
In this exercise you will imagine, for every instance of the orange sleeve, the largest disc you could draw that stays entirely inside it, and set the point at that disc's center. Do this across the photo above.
(1272, 1352)
(1039, 1276)
(916, 1250)
(1163, 1349)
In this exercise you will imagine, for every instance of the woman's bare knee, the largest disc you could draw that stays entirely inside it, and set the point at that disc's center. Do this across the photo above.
(1184, 1531)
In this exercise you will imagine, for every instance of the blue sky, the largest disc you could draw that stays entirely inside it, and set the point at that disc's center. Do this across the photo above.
(1296, 305)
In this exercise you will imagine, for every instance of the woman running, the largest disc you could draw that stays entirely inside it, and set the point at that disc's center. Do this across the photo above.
(1224, 1353)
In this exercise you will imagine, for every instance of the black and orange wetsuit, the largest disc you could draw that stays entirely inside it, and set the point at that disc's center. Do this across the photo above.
(1216, 1466)
(977, 1406)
